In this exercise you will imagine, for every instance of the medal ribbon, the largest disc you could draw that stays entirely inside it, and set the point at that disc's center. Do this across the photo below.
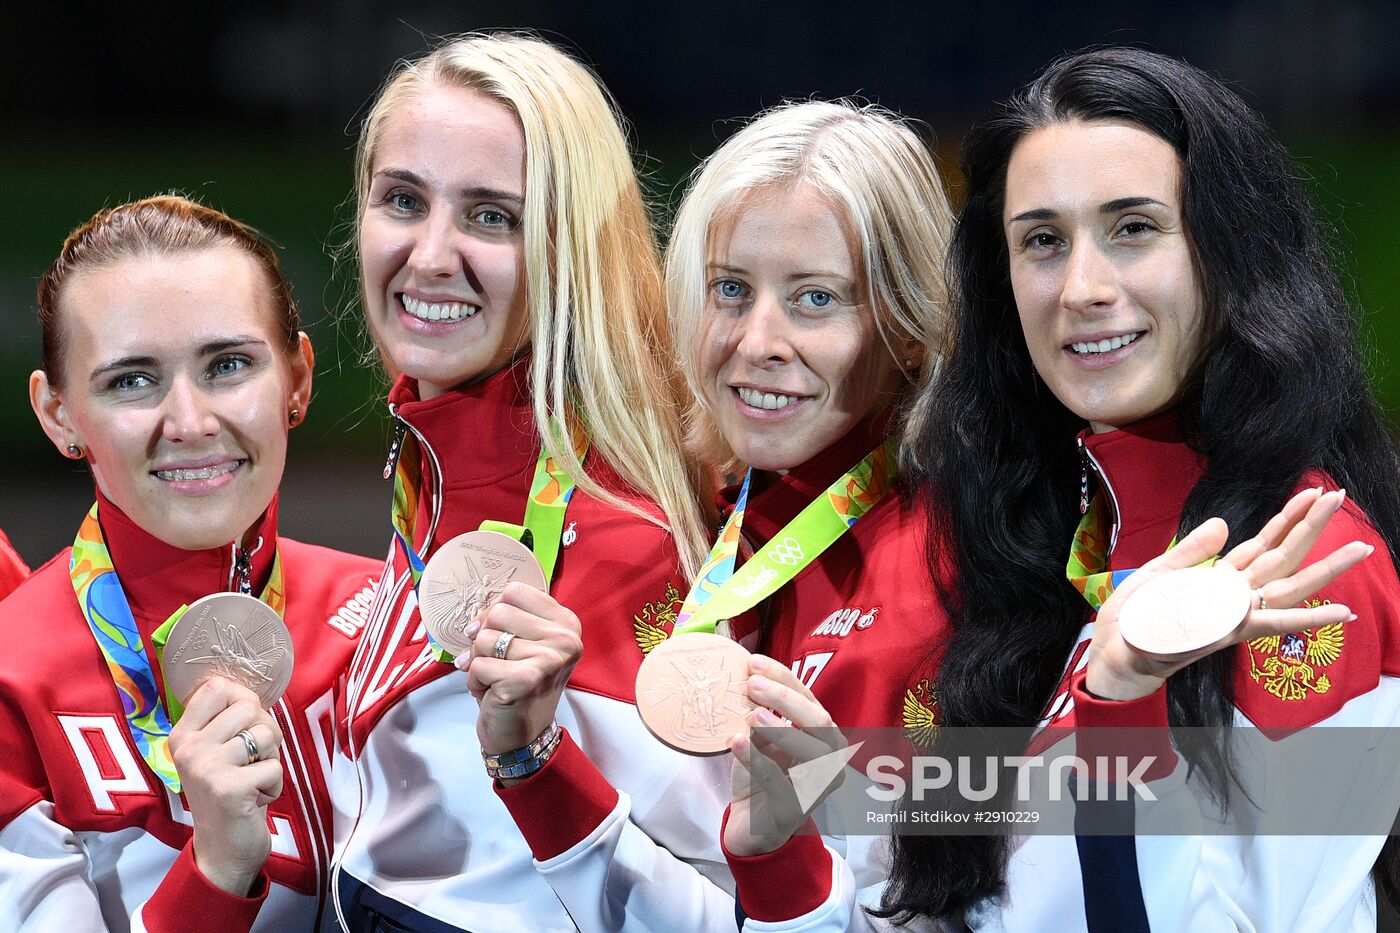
(551, 489)
(721, 592)
(108, 613)
(1087, 567)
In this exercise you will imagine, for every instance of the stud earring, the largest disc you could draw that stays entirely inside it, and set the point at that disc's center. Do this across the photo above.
(75, 452)
(294, 417)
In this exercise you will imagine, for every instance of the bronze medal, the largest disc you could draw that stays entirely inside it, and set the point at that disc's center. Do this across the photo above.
(233, 636)
(1183, 611)
(465, 577)
(691, 693)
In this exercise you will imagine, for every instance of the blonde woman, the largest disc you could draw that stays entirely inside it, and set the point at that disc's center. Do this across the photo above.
(806, 290)
(509, 276)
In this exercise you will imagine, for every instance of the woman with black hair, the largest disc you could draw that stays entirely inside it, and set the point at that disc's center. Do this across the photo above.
(1139, 265)
(1148, 334)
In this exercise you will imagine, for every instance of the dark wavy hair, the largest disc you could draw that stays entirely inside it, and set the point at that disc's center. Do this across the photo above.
(1280, 388)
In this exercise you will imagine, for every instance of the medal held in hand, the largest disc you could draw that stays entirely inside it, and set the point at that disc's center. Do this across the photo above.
(690, 692)
(233, 636)
(1185, 610)
(691, 689)
(465, 577)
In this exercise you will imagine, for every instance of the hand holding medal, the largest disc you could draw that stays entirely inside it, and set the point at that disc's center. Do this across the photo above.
(485, 599)
(225, 748)
(764, 809)
(1183, 612)
(227, 660)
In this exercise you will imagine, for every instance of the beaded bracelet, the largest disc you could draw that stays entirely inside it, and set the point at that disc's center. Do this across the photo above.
(523, 762)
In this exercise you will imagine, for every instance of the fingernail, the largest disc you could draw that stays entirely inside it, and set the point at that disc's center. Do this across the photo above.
(462, 661)
(472, 628)
(765, 717)
(1370, 549)
(1352, 617)
(759, 682)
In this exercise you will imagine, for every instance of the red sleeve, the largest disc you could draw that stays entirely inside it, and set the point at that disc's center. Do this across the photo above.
(792, 880)
(559, 805)
(185, 891)
(1128, 729)
(13, 570)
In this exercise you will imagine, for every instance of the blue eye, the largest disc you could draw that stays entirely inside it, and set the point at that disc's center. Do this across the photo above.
(491, 217)
(402, 201)
(228, 365)
(129, 381)
(729, 289)
(818, 299)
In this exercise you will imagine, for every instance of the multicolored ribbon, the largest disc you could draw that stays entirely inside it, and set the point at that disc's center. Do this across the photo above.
(720, 592)
(104, 604)
(1087, 567)
(551, 490)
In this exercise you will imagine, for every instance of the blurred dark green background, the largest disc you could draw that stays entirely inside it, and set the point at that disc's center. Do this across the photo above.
(253, 109)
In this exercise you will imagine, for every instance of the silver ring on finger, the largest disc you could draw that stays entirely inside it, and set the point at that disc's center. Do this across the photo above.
(250, 745)
(1263, 603)
(503, 645)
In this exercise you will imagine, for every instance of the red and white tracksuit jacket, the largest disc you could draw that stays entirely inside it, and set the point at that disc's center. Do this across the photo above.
(616, 831)
(859, 626)
(90, 839)
(1187, 883)
(13, 570)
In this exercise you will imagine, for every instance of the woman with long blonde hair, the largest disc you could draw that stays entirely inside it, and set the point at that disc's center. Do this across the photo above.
(509, 277)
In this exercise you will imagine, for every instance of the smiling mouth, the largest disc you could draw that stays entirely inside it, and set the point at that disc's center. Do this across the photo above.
(768, 401)
(1107, 345)
(199, 473)
(438, 311)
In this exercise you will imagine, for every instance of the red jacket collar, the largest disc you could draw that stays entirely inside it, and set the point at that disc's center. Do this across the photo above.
(780, 497)
(476, 433)
(1150, 470)
(158, 577)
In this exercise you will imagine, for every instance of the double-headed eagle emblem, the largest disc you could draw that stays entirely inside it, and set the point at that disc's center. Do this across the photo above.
(1289, 666)
(654, 624)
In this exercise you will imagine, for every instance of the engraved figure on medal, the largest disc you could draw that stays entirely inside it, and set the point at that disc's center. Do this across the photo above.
(234, 636)
(465, 577)
(690, 692)
(235, 657)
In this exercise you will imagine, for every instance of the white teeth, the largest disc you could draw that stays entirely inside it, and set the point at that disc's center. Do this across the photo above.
(186, 476)
(765, 400)
(1104, 346)
(445, 311)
